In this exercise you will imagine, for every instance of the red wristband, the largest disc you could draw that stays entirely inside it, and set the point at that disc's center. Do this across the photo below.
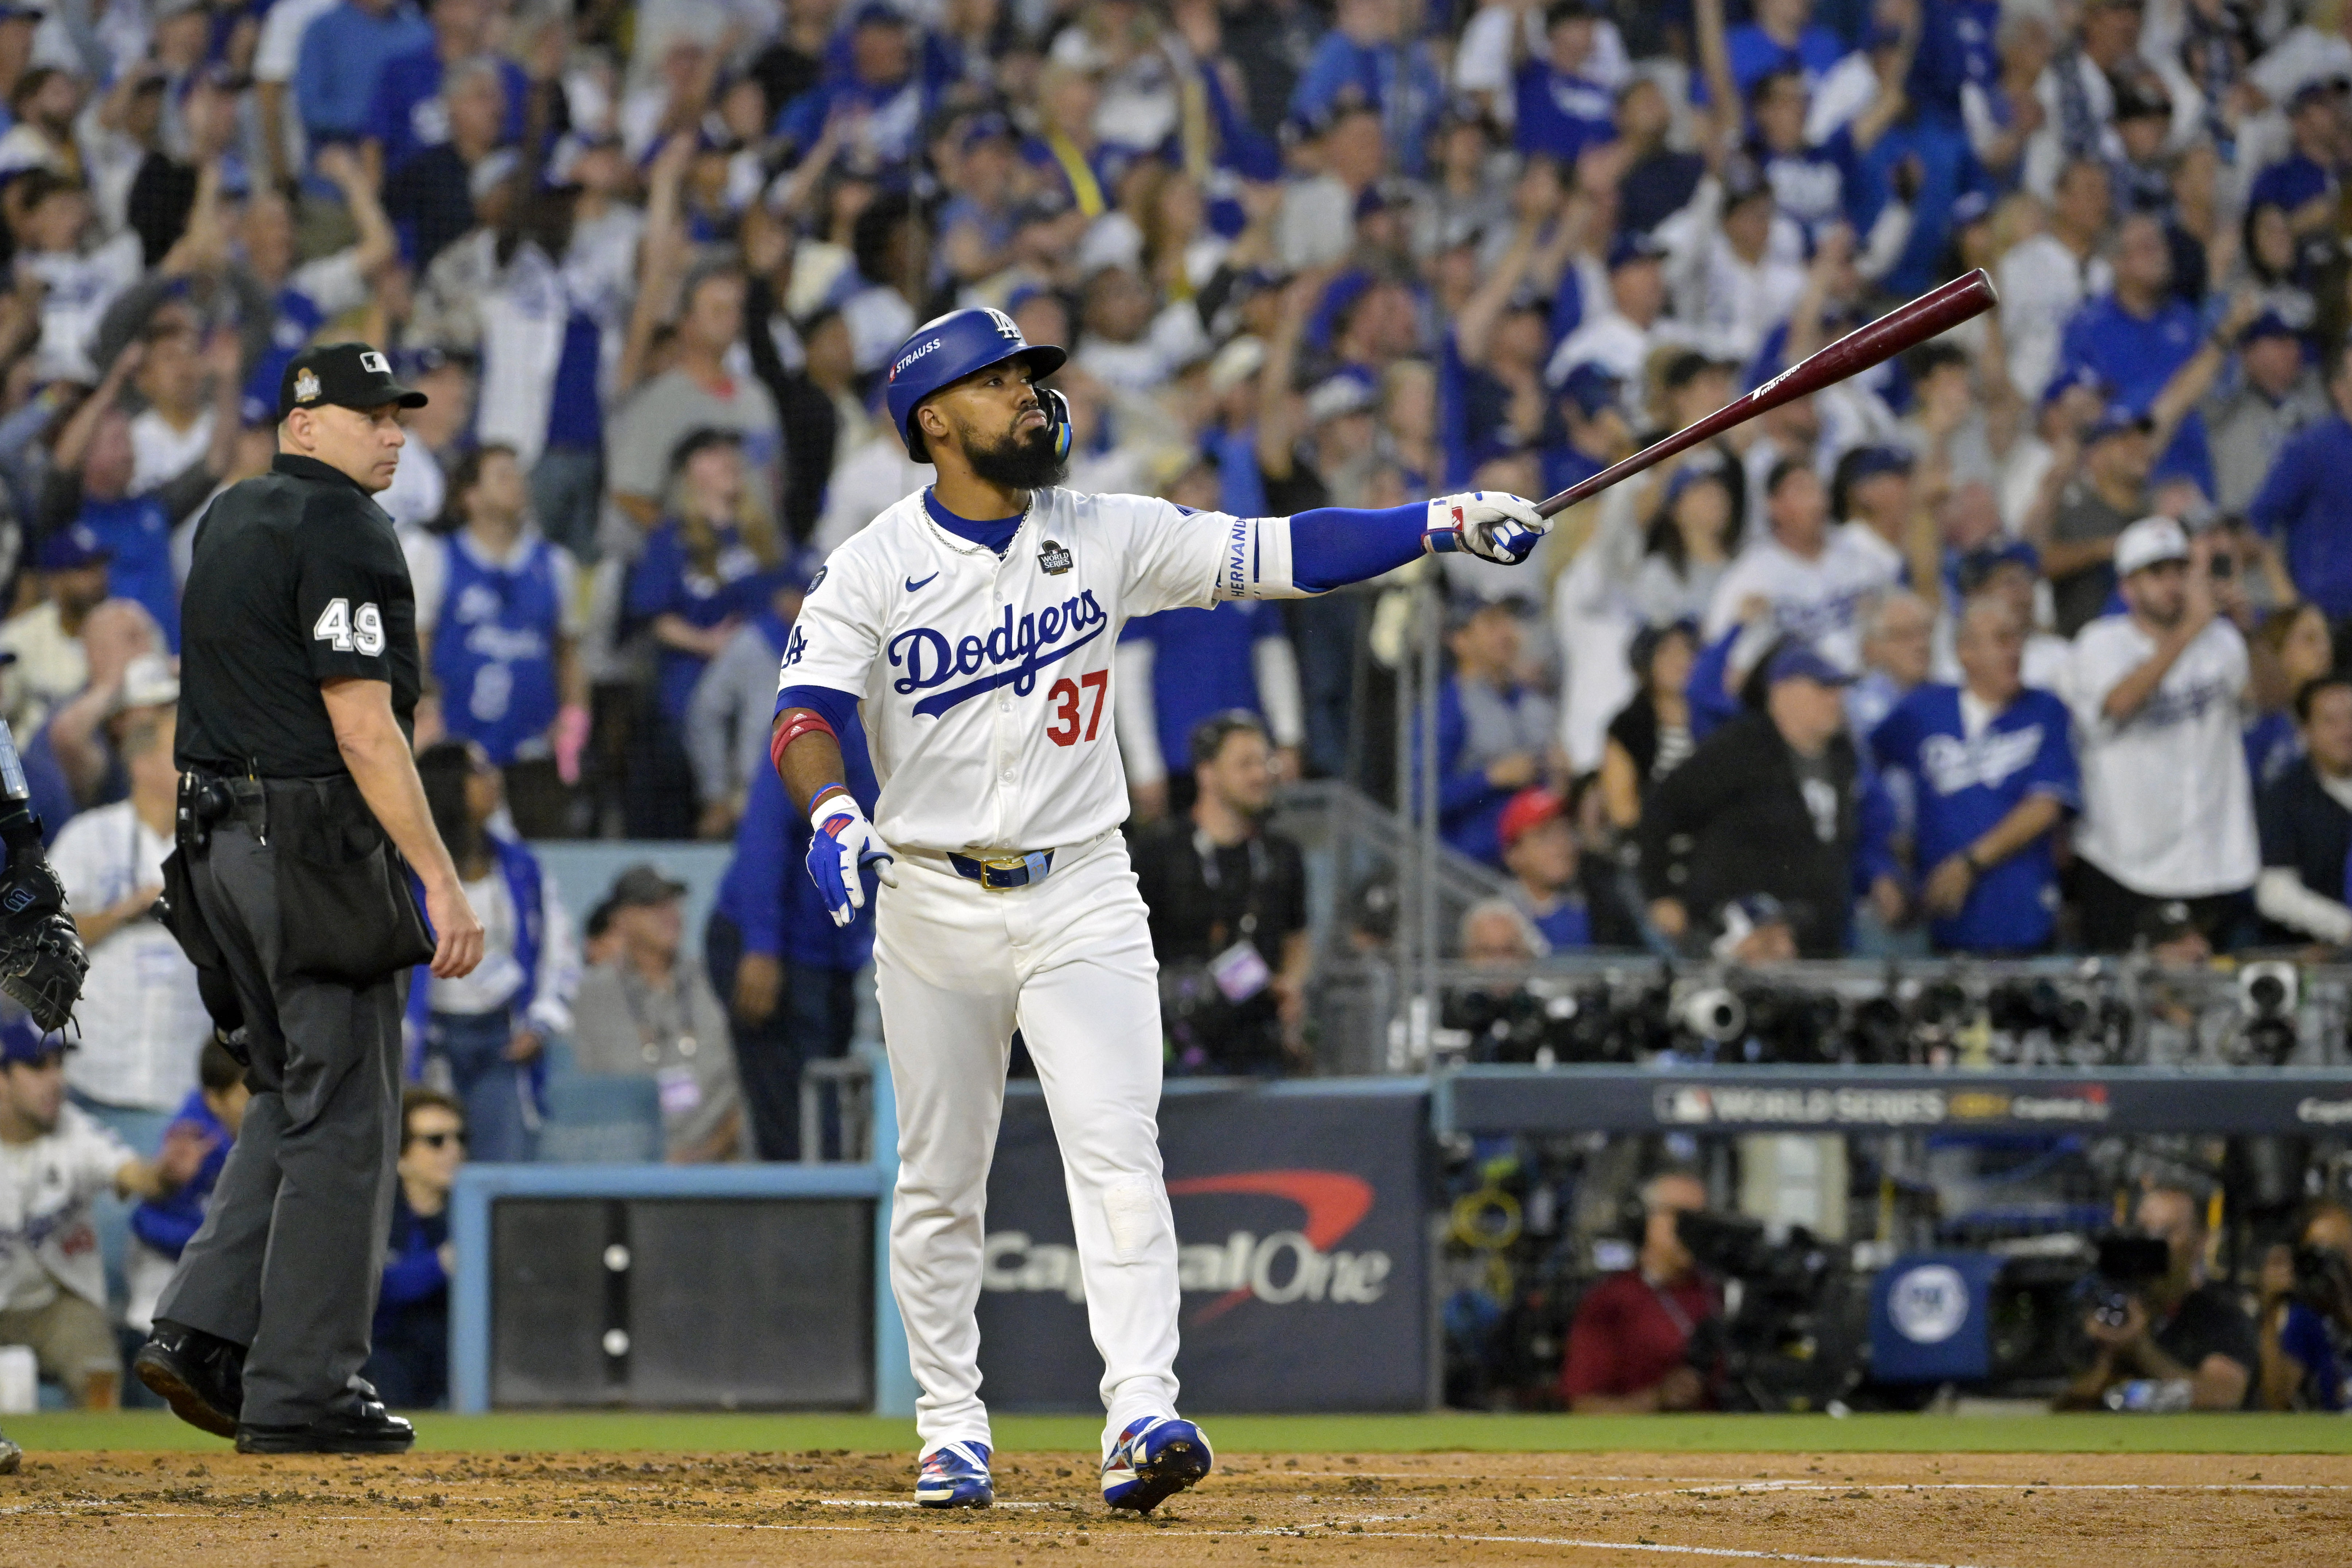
(797, 722)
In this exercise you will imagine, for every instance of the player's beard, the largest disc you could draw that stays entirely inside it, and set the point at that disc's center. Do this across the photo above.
(1022, 460)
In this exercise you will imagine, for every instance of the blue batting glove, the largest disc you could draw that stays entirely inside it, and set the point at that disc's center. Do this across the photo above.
(1489, 524)
(845, 841)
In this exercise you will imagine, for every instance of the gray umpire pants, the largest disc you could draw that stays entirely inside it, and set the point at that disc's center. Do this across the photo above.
(290, 1253)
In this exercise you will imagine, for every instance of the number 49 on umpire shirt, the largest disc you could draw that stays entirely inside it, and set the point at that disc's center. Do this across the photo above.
(297, 579)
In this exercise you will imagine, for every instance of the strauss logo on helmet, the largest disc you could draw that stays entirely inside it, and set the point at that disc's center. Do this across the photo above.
(905, 360)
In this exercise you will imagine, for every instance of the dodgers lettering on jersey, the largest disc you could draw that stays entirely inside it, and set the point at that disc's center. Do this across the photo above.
(1818, 600)
(1010, 656)
(1952, 764)
(1813, 186)
(985, 683)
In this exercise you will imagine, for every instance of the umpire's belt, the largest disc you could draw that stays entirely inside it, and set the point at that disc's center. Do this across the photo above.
(1002, 873)
(207, 800)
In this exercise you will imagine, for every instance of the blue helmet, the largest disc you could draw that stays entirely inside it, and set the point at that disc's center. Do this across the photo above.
(953, 347)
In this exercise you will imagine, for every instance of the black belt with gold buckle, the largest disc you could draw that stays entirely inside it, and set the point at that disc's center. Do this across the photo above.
(1003, 875)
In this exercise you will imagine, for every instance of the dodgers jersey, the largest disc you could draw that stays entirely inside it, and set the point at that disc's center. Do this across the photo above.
(1818, 600)
(984, 683)
(2167, 807)
(1971, 768)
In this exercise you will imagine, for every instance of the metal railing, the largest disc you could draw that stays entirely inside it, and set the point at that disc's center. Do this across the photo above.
(1380, 900)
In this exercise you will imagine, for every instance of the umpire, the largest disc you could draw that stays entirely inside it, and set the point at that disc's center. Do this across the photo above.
(302, 829)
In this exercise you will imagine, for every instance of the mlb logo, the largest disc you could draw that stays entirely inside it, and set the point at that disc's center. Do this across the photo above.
(372, 360)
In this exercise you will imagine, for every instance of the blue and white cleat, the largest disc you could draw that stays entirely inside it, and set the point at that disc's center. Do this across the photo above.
(1154, 1459)
(955, 1475)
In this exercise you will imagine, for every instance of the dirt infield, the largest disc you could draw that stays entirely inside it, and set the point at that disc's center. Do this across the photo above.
(840, 1509)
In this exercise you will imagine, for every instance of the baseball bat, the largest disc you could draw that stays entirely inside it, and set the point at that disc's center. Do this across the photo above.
(1933, 313)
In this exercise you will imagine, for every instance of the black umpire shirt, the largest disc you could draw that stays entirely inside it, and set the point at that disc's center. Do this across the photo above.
(297, 579)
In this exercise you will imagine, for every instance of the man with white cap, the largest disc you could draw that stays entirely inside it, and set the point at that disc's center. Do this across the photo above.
(2157, 693)
(141, 1022)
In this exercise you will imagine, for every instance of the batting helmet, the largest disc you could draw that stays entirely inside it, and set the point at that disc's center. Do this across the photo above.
(953, 347)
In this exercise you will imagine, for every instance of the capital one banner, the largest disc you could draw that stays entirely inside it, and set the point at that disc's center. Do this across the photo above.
(1300, 1245)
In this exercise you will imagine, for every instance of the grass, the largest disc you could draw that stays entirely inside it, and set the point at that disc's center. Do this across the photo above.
(609, 1431)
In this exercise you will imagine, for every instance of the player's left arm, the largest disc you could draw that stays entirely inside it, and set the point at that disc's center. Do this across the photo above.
(1316, 552)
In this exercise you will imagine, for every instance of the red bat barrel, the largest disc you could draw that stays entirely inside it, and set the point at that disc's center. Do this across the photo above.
(1932, 314)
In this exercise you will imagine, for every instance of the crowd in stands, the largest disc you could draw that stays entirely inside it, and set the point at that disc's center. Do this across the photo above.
(2025, 642)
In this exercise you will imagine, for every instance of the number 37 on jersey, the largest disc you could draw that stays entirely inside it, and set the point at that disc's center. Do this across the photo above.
(1066, 699)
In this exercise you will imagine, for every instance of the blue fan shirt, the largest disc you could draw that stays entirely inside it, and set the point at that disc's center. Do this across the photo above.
(1965, 784)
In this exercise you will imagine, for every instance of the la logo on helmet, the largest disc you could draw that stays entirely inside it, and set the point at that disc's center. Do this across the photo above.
(1005, 326)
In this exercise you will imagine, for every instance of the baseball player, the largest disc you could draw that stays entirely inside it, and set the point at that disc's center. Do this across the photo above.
(973, 625)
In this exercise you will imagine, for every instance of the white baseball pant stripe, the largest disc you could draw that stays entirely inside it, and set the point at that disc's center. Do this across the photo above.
(1069, 961)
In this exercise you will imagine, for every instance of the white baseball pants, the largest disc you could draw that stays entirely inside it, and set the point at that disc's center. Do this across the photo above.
(1069, 961)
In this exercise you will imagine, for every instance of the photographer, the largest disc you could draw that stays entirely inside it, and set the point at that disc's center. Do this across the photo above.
(2306, 1348)
(1228, 903)
(1630, 1347)
(2179, 1328)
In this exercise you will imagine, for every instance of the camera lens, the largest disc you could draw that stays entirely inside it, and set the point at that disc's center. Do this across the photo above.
(1716, 1014)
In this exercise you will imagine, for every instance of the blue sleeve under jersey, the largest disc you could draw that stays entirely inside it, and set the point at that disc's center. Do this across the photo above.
(837, 708)
(1333, 545)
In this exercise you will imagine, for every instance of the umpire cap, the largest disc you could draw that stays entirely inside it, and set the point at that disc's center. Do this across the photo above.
(949, 348)
(349, 375)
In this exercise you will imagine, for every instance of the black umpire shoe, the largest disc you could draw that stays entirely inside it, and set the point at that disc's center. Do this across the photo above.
(361, 1426)
(201, 1376)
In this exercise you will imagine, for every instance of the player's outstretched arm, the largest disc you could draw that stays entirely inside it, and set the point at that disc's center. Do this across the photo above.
(807, 751)
(1318, 551)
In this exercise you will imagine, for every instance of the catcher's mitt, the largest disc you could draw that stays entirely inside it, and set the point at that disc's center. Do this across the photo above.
(41, 958)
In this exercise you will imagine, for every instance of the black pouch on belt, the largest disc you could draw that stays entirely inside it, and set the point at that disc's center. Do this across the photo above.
(344, 910)
(203, 801)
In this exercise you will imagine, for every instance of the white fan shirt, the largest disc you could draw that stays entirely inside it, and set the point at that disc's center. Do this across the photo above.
(2168, 807)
